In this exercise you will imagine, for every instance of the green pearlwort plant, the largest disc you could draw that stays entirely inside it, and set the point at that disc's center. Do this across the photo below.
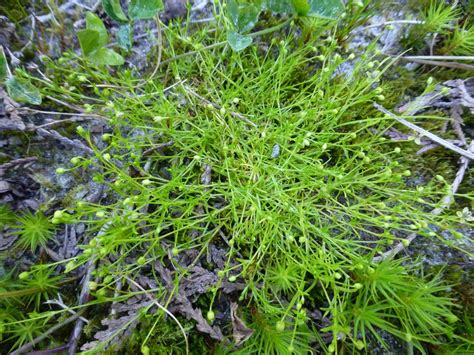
(189, 161)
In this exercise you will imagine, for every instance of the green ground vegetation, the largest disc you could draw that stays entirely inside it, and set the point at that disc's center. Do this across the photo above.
(273, 153)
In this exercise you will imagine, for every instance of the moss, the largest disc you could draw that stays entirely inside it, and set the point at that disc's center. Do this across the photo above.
(15, 10)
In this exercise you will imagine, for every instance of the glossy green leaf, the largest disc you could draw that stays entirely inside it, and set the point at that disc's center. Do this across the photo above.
(93, 22)
(280, 6)
(106, 56)
(144, 9)
(244, 16)
(238, 42)
(89, 41)
(22, 90)
(3, 65)
(124, 37)
(114, 10)
(330, 9)
(301, 7)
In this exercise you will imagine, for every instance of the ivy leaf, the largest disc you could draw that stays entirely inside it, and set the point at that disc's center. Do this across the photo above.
(330, 9)
(238, 42)
(244, 16)
(301, 7)
(280, 6)
(22, 90)
(3, 65)
(89, 41)
(114, 10)
(93, 22)
(144, 9)
(124, 37)
(106, 56)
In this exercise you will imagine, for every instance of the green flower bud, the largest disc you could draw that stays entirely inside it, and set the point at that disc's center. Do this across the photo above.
(80, 130)
(106, 137)
(24, 275)
(210, 316)
(141, 260)
(100, 214)
(280, 326)
(75, 160)
(146, 182)
(60, 171)
(359, 344)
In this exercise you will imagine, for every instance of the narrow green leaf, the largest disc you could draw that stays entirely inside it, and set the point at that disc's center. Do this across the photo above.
(114, 10)
(124, 37)
(93, 22)
(244, 16)
(105, 56)
(238, 42)
(144, 9)
(89, 41)
(3, 65)
(22, 90)
(330, 9)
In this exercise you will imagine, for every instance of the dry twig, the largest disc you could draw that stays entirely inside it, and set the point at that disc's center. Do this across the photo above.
(426, 133)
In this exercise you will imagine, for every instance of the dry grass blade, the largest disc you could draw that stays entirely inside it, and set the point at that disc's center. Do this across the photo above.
(426, 133)
(439, 57)
(440, 63)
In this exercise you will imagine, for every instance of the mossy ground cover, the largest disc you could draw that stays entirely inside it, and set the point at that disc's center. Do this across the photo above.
(246, 195)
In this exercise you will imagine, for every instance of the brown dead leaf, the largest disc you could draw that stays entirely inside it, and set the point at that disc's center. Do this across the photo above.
(240, 332)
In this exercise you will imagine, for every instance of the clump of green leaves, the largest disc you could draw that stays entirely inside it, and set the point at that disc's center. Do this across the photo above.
(93, 41)
(33, 230)
(137, 10)
(6, 216)
(390, 297)
(443, 25)
(244, 15)
(19, 89)
(23, 316)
